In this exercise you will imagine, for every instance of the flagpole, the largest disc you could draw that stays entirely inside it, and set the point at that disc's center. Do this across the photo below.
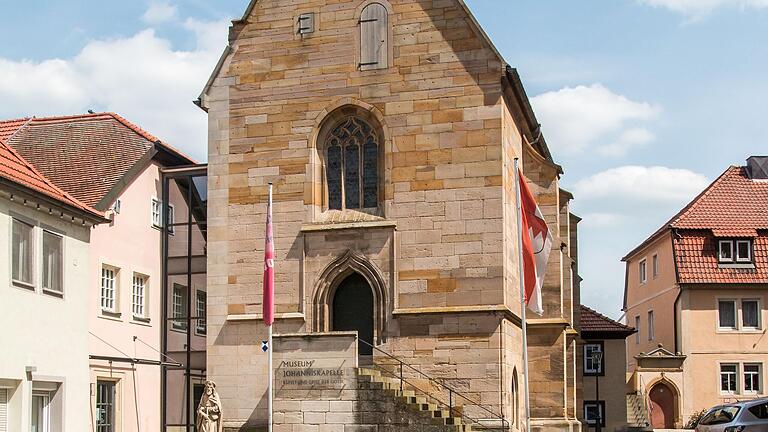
(269, 338)
(523, 306)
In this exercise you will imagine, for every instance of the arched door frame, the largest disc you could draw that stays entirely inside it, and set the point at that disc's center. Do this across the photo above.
(330, 279)
(676, 399)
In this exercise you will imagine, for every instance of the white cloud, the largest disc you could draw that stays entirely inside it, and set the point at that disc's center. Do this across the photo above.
(628, 140)
(601, 220)
(141, 77)
(160, 12)
(641, 185)
(578, 119)
(696, 9)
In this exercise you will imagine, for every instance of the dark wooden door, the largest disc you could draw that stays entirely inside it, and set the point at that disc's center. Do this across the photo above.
(662, 407)
(353, 310)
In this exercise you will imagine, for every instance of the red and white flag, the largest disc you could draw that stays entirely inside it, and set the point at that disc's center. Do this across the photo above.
(268, 299)
(536, 247)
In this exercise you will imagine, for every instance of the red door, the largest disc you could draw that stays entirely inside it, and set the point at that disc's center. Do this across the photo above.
(662, 407)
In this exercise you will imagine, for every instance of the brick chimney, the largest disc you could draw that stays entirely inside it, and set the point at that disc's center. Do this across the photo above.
(757, 167)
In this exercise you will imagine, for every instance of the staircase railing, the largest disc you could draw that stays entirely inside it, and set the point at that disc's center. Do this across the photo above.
(455, 397)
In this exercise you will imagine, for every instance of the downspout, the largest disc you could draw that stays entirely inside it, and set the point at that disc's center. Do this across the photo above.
(675, 318)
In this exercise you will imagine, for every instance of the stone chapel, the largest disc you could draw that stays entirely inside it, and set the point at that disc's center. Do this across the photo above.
(389, 129)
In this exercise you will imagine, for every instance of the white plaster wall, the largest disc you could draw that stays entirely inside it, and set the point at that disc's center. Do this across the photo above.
(46, 332)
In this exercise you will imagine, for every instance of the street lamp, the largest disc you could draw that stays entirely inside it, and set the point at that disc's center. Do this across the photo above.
(597, 365)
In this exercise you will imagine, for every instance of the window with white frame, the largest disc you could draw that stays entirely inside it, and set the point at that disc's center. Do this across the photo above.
(752, 377)
(725, 251)
(642, 271)
(743, 251)
(655, 266)
(750, 314)
(108, 289)
(728, 375)
(53, 258)
(594, 410)
(637, 327)
(651, 333)
(726, 311)
(157, 213)
(591, 366)
(200, 310)
(170, 220)
(106, 393)
(22, 252)
(139, 296)
(179, 307)
(3, 410)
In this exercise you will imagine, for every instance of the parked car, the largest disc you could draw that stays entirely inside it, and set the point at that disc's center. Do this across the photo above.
(746, 416)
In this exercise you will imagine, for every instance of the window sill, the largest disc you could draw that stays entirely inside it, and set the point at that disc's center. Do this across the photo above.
(138, 320)
(20, 284)
(113, 316)
(731, 265)
(331, 226)
(53, 293)
(740, 331)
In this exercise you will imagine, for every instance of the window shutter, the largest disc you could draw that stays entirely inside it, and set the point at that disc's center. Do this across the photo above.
(3, 410)
(374, 35)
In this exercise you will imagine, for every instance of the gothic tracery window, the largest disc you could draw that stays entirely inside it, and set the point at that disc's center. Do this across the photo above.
(352, 166)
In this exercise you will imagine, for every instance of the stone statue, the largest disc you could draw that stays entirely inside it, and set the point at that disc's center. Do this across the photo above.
(209, 411)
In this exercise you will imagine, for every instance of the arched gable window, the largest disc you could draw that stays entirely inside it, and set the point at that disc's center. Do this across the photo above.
(352, 165)
(374, 37)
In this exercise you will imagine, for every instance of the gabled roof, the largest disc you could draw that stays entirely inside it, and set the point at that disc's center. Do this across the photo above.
(510, 75)
(732, 206)
(91, 156)
(596, 325)
(19, 172)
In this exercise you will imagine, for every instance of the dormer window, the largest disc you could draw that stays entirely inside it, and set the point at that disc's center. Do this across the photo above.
(743, 251)
(734, 251)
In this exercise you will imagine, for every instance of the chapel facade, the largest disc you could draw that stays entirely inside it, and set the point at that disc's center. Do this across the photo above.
(389, 130)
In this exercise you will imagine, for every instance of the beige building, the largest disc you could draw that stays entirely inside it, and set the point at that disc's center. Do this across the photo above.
(389, 129)
(45, 270)
(604, 375)
(696, 292)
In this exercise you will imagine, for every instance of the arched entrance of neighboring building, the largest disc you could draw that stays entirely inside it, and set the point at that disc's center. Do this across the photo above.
(662, 406)
(352, 309)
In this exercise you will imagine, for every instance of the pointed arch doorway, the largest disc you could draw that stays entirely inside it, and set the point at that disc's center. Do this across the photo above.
(352, 309)
(662, 406)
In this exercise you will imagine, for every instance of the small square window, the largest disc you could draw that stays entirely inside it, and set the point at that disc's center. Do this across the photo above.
(594, 411)
(157, 211)
(750, 314)
(744, 251)
(752, 377)
(725, 251)
(642, 271)
(139, 296)
(22, 253)
(591, 365)
(728, 380)
(726, 310)
(651, 334)
(109, 289)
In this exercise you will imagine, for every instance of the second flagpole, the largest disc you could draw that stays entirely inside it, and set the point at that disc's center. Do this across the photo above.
(270, 372)
(522, 297)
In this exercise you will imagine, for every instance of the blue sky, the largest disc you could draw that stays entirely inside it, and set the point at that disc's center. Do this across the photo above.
(643, 102)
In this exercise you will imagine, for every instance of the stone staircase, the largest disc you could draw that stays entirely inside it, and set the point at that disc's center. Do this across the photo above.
(637, 414)
(436, 418)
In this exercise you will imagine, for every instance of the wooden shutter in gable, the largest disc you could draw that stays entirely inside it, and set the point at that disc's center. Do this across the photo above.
(374, 35)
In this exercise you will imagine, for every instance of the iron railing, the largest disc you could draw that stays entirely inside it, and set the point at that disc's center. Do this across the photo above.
(455, 409)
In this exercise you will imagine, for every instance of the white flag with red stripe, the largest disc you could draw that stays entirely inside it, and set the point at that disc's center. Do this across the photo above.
(537, 243)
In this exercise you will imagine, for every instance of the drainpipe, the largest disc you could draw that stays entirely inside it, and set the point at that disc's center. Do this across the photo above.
(679, 292)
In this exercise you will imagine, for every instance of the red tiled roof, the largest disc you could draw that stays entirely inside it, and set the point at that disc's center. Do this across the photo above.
(15, 168)
(696, 260)
(732, 206)
(595, 322)
(87, 155)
